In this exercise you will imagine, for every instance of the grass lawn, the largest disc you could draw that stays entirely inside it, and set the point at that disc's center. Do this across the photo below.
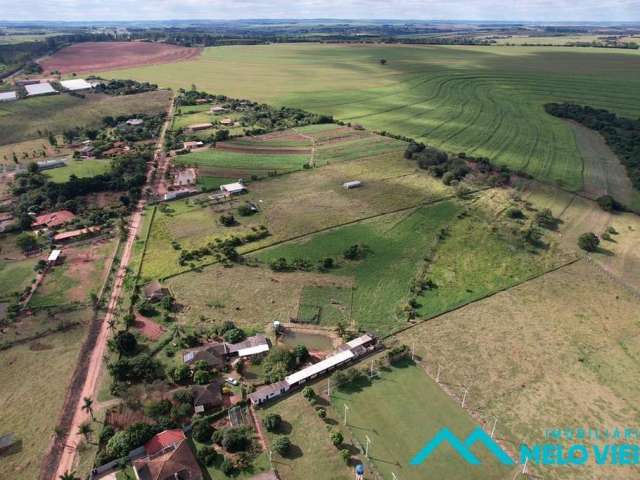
(475, 259)
(29, 404)
(397, 244)
(15, 276)
(79, 168)
(400, 411)
(313, 457)
(213, 183)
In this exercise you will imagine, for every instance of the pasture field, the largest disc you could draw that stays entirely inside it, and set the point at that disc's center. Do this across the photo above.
(382, 278)
(312, 455)
(215, 159)
(476, 258)
(485, 101)
(28, 151)
(81, 273)
(29, 119)
(223, 293)
(559, 351)
(400, 410)
(16, 275)
(30, 409)
(79, 168)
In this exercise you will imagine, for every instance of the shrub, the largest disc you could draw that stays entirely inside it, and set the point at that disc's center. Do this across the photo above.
(515, 213)
(157, 409)
(234, 335)
(228, 220)
(322, 413)
(345, 455)
(308, 393)
(227, 467)
(126, 343)
(208, 456)
(356, 252)
(588, 242)
(282, 445)
(217, 437)
(202, 377)
(236, 440)
(609, 204)
(545, 219)
(202, 431)
(337, 438)
(181, 374)
(272, 422)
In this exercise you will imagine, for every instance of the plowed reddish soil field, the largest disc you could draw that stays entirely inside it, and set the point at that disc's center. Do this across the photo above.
(96, 56)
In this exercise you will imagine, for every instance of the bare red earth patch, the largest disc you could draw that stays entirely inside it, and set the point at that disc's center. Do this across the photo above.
(97, 56)
(149, 328)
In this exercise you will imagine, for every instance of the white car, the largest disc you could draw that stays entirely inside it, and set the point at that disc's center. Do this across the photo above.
(232, 381)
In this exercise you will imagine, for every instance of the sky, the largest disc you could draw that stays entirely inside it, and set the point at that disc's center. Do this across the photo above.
(510, 10)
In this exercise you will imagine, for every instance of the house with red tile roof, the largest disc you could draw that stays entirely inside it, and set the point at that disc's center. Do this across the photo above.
(53, 219)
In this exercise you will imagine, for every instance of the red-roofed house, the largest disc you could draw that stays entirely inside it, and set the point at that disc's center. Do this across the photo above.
(176, 462)
(164, 440)
(53, 219)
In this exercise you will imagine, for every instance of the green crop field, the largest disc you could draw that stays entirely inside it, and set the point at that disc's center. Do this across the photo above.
(79, 168)
(31, 118)
(400, 411)
(397, 243)
(481, 100)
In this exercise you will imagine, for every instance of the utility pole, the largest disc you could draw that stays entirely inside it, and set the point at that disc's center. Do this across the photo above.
(329, 388)
(413, 352)
(270, 462)
(366, 449)
(493, 429)
(346, 409)
(438, 374)
(395, 477)
(464, 396)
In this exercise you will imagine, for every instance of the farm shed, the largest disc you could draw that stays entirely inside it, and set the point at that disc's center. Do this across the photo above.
(352, 184)
(178, 193)
(193, 144)
(49, 164)
(53, 219)
(54, 257)
(251, 346)
(226, 121)
(207, 396)
(8, 96)
(199, 126)
(40, 89)
(76, 84)
(76, 234)
(154, 292)
(319, 368)
(218, 109)
(267, 392)
(232, 188)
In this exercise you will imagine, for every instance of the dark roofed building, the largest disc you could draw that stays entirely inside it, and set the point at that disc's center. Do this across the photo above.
(212, 353)
(207, 396)
(176, 462)
(154, 292)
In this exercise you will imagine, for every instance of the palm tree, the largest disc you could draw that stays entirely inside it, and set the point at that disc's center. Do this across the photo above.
(111, 323)
(69, 476)
(86, 430)
(88, 407)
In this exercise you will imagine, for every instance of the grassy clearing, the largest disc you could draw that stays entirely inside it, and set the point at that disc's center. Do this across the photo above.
(252, 297)
(29, 119)
(32, 148)
(15, 276)
(562, 351)
(30, 408)
(82, 168)
(325, 305)
(313, 456)
(477, 258)
(482, 100)
(389, 410)
(382, 279)
(219, 159)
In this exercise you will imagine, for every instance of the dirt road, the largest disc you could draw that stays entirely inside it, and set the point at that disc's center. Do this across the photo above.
(89, 389)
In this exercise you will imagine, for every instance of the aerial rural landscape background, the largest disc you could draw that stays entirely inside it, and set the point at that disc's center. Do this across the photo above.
(310, 244)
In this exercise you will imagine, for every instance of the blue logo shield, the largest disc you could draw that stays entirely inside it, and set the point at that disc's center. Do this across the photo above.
(463, 447)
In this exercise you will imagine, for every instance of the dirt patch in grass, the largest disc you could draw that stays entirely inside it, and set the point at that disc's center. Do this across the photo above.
(261, 150)
(147, 327)
(96, 56)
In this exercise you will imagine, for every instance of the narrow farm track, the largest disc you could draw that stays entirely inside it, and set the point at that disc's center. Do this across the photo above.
(90, 360)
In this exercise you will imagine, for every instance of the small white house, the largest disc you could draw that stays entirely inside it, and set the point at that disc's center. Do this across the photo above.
(75, 85)
(232, 188)
(352, 184)
(54, 257)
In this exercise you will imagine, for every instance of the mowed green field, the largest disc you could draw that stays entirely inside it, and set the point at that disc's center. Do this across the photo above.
(400, 411)
(31, 118)
(79, 168)
(482, 100)
(214, 159)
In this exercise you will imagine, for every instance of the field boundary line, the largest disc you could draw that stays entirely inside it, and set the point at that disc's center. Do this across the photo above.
(489, 295)
(146, 242)
(423, 203)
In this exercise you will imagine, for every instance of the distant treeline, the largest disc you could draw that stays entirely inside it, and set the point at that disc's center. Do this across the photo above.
(621, 134)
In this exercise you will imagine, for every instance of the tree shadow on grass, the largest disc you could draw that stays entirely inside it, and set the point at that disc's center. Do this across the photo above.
(284, 428)
(293, 453)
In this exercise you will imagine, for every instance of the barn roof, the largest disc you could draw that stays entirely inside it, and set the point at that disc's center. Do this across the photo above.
(76, 84)
(39, 89)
